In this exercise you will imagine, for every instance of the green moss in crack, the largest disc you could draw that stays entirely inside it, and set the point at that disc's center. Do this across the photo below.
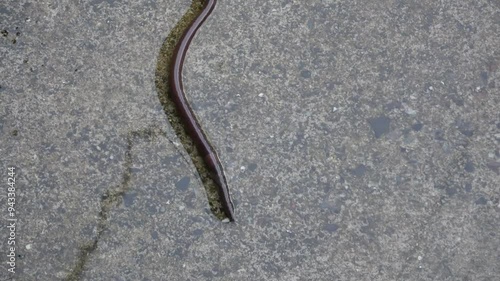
(111, 198)
(161, 80)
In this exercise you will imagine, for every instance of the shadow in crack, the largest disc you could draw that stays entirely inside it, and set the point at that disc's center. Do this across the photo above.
(161, 81)
(112, 197)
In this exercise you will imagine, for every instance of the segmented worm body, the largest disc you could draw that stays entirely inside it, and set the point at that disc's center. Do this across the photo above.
(188, 117)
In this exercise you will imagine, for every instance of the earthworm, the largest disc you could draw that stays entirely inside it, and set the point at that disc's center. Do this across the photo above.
(187, 115)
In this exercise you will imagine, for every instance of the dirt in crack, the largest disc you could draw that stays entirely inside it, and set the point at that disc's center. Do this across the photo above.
(161, 80)
(110, 198)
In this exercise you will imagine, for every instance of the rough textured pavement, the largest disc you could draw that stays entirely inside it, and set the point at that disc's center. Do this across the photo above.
(360, 140)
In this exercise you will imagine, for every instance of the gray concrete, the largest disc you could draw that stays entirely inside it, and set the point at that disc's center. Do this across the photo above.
(360, 140)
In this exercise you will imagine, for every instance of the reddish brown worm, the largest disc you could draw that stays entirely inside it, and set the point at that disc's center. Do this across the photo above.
(189, 118)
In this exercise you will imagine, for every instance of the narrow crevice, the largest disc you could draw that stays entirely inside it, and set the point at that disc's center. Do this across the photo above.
(111, 198)
(161, 81)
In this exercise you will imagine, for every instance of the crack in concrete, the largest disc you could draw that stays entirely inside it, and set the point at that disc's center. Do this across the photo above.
(111, 197)
(161, 81)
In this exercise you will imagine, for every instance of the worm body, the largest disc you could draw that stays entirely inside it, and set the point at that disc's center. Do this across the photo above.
(187, 115)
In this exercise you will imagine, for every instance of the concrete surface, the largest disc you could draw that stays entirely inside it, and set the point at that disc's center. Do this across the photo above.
(360, 140)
